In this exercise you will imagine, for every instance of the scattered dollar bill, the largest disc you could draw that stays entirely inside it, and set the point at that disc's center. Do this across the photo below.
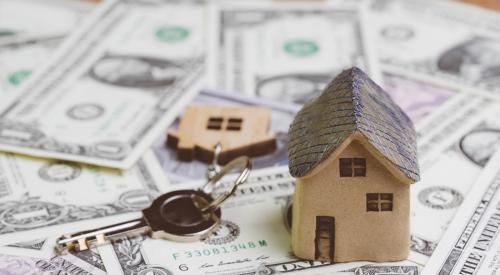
(464, 134)
(445, 42)
(471, 244)
(281, 117)
(41, 198)
(112, 87)
(286, 52)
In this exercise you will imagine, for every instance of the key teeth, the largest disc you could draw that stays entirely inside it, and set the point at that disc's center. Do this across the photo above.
(101, 239)
(82, 245)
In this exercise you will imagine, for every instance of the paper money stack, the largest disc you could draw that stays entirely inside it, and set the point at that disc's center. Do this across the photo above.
(88, 91)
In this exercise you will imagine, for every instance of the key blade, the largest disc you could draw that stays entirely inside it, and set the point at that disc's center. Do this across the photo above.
(86, 239)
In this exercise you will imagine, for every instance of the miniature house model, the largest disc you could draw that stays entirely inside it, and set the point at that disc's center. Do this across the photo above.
(241, 130)
(353, 152)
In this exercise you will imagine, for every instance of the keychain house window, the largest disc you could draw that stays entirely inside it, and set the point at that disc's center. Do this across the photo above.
(234, 124)
(377, 202)
(215, 123)
(352, 167)
(220, 123)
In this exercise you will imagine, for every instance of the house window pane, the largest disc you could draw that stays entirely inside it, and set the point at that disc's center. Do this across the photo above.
(379, 202)
(234, 124)
(352, 167)
(345, 172)
(372, 196)
(345, 167)
(386, 201)
(359, 162)
(359, 172)
(386, 196)
(372, 202)
(215, 123)
(386, 206)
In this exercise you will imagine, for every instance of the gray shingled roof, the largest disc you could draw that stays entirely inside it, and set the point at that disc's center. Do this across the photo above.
(351, 102)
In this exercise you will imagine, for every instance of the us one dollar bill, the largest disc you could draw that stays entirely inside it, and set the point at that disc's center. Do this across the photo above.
(281, 117)
(253, 239)
(43, 198)
(286, 52)
(471, 244)
(441, 41)
(112, 87)
(454, 146)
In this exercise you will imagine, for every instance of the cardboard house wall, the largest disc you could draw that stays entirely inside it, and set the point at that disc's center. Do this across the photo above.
(355, 234)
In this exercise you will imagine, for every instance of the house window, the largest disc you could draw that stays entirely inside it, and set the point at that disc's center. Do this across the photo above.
(216, 123)
(379, 202)
(234, 124)
(352, 167)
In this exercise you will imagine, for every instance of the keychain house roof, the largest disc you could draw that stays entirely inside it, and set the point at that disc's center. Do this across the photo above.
(354, 153)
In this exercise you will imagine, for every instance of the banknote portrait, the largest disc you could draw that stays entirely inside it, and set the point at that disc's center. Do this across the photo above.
(479, 145)
(135, 71)
(477, 59)
(296, 88)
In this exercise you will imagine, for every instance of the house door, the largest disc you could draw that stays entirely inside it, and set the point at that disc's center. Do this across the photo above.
(325, 238)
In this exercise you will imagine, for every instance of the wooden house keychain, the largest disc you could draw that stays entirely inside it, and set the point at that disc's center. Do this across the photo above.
(234, 131)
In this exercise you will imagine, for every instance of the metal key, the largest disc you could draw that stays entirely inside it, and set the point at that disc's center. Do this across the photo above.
(182, 215)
